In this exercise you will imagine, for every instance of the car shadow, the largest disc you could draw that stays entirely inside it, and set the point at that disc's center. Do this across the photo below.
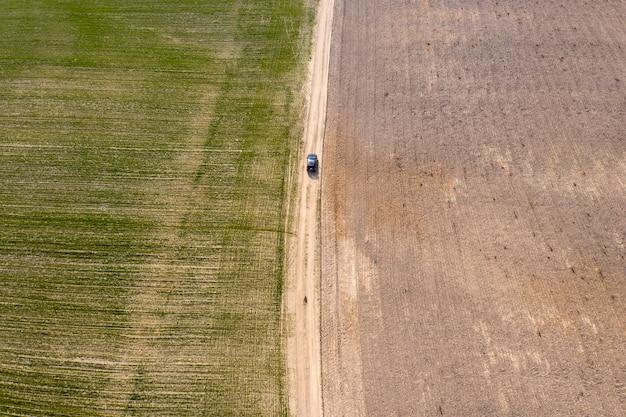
(313, 174)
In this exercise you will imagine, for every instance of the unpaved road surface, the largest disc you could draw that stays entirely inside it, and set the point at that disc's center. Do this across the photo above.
(473, 209)
(303, 302)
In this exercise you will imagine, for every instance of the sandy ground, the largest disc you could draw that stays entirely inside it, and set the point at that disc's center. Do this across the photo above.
(473, 209)
(303, 301)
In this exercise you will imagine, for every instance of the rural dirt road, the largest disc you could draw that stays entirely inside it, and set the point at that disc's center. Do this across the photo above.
(303, 303)
(473, 228)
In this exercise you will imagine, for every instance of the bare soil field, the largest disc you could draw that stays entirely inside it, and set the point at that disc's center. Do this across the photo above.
(473, 200)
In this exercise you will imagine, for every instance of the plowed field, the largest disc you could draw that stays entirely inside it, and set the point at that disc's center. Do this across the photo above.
(474, 200)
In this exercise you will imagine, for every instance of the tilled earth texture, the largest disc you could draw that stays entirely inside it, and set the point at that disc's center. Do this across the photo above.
(474, 200)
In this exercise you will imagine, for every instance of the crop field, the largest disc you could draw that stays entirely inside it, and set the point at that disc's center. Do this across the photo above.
(144, 148)
(473, 199)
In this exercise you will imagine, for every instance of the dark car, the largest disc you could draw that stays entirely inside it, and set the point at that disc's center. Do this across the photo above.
(311, 163)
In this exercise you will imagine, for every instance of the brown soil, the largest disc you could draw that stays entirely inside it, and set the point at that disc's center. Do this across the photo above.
(473, 209)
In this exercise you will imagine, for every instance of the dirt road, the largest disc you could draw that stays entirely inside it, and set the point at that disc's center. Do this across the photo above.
(473, 228)
(304, 272)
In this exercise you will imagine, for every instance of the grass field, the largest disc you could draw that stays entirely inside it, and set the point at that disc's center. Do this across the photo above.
(143, 153)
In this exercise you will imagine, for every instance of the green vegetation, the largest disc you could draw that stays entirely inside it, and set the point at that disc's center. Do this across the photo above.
(143, 152)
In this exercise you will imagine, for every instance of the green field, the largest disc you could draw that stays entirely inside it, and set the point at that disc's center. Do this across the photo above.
(144, 151)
